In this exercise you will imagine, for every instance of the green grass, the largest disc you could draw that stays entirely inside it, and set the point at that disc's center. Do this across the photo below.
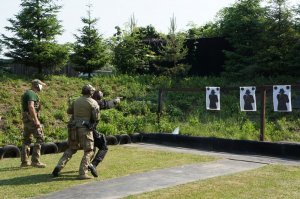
(272, 181)
(16, 182)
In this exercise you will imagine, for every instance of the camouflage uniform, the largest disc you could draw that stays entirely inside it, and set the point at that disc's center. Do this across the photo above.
(31, 129)
(84, 110)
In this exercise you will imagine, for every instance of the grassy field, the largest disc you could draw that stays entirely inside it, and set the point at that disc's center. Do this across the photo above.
(120, 161)
(272, 181)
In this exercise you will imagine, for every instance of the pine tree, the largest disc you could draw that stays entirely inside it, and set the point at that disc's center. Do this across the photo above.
(280, 40)
(90, 51)
(242, 25)
(33, 42)
(171, 59)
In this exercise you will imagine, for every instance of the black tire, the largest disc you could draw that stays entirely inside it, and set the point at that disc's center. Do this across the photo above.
(118, 138)
(48, 148)
(10, 151)
(136, 137)
(111, 140)
(62, 146)
(125, 139)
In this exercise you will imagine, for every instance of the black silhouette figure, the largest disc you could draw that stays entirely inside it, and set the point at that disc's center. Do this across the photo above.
(248, 99)
(213, 99)
(282, 100)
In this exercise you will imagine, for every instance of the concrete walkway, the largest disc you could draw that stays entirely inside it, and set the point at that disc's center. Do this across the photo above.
(158, 179)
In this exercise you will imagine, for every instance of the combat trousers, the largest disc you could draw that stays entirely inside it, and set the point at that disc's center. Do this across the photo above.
(86, 142)
(30, 132)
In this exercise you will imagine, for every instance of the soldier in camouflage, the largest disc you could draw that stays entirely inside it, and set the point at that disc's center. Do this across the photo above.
(84, 110)
(32, 126)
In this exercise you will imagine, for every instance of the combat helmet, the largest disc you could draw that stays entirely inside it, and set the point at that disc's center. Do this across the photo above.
(88, 90)
(98, 95)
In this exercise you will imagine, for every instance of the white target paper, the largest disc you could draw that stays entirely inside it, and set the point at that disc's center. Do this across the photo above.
(248, 98)
(213, 98)
(282, 98)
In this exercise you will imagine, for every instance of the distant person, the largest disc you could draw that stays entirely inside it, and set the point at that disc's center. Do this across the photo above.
(248, 99)
(85, 113)
(213, 100)
(31, 107)
(282, 100)
(99, 139)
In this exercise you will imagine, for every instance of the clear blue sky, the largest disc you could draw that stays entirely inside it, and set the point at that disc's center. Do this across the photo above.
(113, 13)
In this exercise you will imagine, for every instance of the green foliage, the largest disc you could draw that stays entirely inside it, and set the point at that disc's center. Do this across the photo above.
(170, 60)
(33, 43)
(90, 50)
(132, 55)
(209, 30)
(242, 26)
(264, 40)
(137, 111)
(107, 129)
(280, 42)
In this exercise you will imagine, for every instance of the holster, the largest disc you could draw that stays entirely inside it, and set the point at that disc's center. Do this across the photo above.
(72, 135)
(72, 131)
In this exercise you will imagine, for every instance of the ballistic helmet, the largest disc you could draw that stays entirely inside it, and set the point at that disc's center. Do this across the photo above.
(98, 95)
(88, 90)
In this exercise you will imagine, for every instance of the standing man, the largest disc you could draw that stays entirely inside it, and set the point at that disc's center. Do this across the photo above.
(32, 126)
(99, 138)
(85, 112)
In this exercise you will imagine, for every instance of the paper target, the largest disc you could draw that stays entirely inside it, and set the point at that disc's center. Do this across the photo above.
(213, 98)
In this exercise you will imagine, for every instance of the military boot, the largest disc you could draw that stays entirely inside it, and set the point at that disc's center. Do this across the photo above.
(93, 170)
(38, 164)
(25, 164)
(84, 177)
(56, 171)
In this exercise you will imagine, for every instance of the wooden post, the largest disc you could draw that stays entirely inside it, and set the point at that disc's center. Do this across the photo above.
(262, 113)
(159, 108)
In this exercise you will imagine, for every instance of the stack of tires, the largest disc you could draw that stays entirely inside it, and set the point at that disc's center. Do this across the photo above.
(12, 151)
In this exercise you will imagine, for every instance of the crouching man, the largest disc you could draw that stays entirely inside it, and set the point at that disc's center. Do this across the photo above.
(84, 110)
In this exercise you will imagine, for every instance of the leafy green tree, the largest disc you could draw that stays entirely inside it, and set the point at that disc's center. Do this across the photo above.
(130, 54)
(294, 57)
(90, 50)
(242, 25)
(170, 61)
(280, 40)
(34, 30)
(208, 30)
(133, 49)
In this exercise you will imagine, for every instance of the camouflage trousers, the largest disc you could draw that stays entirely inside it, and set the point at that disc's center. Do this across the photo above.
(30, 132)
(85, 141)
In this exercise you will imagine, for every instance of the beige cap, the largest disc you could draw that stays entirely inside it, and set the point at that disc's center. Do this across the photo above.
(37, 81)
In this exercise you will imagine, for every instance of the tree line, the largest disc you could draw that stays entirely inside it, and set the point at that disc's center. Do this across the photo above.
(265, 41)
